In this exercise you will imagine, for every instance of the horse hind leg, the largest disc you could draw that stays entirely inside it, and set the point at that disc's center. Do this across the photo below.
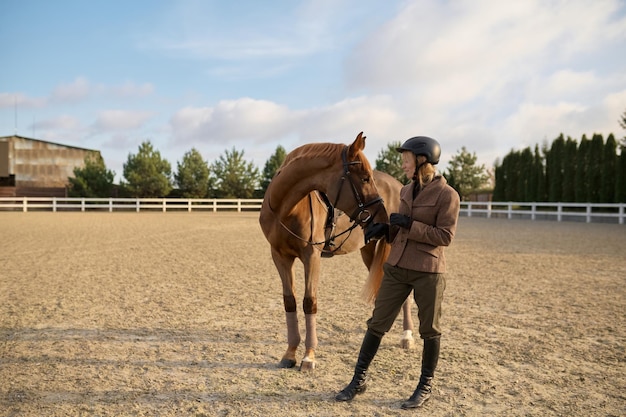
(407, 341)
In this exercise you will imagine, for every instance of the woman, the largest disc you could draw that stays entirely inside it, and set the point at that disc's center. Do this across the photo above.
(425, 225)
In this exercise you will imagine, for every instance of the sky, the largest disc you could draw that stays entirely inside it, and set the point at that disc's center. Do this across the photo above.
(250, 75)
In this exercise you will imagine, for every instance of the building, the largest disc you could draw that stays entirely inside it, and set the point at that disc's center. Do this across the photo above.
(33, 167)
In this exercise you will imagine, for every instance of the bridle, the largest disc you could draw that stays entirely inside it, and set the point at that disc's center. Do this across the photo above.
(361, 216)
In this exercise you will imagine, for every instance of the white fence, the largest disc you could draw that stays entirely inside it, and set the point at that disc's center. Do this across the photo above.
(127, 204)
(588, 212)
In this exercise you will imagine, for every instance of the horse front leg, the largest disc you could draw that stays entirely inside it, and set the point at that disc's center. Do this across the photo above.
(293, 332)
(407, 341)
(311, 278)
(284, 265)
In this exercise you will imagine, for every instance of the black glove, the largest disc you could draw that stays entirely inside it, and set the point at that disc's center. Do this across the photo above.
(397, 219)
(376, 231)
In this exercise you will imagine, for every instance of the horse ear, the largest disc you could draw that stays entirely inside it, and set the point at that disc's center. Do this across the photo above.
(357, 146)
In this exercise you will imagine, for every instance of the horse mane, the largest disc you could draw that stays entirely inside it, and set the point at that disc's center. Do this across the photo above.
(311, 150)
(323, 150)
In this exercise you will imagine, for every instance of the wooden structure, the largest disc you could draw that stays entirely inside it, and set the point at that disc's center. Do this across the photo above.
(33, 167)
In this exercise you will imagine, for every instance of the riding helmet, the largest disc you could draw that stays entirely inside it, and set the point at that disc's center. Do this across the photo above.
(423, 145)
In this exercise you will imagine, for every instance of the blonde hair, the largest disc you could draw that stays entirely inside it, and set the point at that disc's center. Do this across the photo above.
(426, 172)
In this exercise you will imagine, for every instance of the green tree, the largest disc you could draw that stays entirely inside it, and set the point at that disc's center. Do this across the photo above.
(389, 160)
(538, 183)
(93, 179)
(192, 176)
(467, 176)
(146, 173)
(554, 169)
(498, 189)
(234, 177)
(609, 171)
(620, 177)
(596, 154)
(581, 179)
(271, 166)
(569, 171)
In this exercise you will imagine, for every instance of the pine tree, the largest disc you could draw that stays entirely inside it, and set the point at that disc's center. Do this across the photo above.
(569, 171)
(271, 166)
(596, 154)
(609, 171)
(540, 183)
(554, 168)
(146, 173)
(192, 176)
(620, 177)
(581, 179)
(233, 176)
(524, 181)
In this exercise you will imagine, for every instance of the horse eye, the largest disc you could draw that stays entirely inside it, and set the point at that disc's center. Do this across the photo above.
(366, 180)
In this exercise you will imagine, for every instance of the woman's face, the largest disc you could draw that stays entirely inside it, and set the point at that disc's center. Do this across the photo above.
(408, 163)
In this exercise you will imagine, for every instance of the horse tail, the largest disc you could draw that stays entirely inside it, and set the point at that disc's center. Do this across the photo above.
(375, 277)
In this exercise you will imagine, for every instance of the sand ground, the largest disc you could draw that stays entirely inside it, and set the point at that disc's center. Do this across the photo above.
(180, 314)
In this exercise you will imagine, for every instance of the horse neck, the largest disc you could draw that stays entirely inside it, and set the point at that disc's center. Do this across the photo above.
(293, 183)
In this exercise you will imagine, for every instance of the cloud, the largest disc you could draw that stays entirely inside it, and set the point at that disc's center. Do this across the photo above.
(77, 90)
(21, 100)
(230, 120)
(130, 89)
(120, 120)
(63, 122)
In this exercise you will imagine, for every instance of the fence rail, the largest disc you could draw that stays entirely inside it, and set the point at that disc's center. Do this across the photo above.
(55, 204)
(588, 212)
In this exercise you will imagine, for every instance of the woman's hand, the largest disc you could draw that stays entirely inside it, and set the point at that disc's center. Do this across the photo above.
(397, 219)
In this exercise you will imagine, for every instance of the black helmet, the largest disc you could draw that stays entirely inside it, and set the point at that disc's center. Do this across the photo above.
(423, 145)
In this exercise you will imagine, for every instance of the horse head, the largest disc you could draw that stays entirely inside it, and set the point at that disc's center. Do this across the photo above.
(356, 192)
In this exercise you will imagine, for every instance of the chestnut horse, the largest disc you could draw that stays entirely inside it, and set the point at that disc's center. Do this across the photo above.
(299, 220)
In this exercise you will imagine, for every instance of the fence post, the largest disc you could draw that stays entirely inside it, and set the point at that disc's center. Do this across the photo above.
(24, 204)
(533, 211)
(588, 213)
(489, 210)
(559, 212)
(510, 210)
(214, 205)
(82, 204)
(164, 206)
(469, 209)
(189, 205)
(110, 204)
(54, 204)
(621, 213)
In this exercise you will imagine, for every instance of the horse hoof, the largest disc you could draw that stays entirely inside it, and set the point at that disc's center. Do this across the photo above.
(407, 344)
(287, 363)
(307, 365)
(407, 340)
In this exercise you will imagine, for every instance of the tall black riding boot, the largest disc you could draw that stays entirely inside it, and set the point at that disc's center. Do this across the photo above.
(430, 357)
(369, 347)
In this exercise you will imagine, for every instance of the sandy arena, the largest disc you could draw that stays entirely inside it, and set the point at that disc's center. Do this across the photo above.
(180, 314)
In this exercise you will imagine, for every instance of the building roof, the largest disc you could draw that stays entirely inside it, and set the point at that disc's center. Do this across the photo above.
(51, 143)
